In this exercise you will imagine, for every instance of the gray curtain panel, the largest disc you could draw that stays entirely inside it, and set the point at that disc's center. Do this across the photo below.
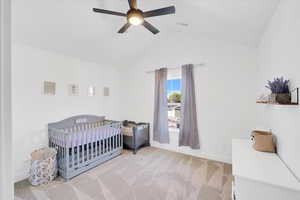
(160, 123)
(188, 135)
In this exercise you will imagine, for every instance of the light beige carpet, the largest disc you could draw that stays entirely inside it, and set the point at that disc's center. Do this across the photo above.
(151, 174)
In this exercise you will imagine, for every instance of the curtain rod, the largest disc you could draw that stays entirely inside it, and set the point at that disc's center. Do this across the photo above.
(179, 67)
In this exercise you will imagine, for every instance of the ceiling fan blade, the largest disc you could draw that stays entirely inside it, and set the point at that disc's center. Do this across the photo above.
(109, 12)
(159, 12)
(150, 27)
(132, 4)
(124, 28)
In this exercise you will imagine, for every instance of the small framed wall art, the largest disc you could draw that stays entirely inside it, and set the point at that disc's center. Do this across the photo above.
(106, 91)
(91, 91)
(49, 88)
(73, 90)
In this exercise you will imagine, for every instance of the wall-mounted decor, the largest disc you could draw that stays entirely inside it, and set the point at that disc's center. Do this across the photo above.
(91, 91)
(106, 91)
(280, 93)
(73, 90)
(49, 88)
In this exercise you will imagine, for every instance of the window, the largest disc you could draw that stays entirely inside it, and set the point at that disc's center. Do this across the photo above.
(174, 102)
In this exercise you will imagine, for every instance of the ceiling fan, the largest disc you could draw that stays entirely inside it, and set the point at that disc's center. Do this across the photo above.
(137, 17)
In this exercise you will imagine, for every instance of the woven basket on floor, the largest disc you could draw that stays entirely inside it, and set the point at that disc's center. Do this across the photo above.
(43, 166)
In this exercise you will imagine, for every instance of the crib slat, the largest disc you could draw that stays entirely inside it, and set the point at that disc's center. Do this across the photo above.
(109, 138)
(106, 139)
(92, 148)
(118, 141)
(73, 156)
(58, 152)
(120, 135)
(89, 151)
(77, 155)
(101, 146)
(96, 149)
(113, 141)
(121, 140)
(83, 150)
(67, 158)
(61, 154)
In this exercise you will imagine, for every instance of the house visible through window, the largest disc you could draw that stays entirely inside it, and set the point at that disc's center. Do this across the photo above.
(174, 102)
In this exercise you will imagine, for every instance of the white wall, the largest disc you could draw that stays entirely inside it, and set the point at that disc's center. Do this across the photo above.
(32, 110)
(225, 89)
(279, 56)
(6, 182)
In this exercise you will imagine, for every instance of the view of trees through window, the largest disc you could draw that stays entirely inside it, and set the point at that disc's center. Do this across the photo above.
(174, 102)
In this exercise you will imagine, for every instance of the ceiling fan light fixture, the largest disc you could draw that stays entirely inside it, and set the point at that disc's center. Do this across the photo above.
(135, 21)
(135, 17)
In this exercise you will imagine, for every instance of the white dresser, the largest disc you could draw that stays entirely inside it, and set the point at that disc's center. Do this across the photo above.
(261, 176)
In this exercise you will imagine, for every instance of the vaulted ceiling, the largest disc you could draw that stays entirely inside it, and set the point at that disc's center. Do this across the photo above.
(71, 28)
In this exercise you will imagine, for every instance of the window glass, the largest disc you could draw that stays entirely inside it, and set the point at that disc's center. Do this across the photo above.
(174, 102)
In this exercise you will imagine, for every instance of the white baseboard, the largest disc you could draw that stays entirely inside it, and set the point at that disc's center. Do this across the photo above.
(224, 159)
(196, 153)
(21, 175)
